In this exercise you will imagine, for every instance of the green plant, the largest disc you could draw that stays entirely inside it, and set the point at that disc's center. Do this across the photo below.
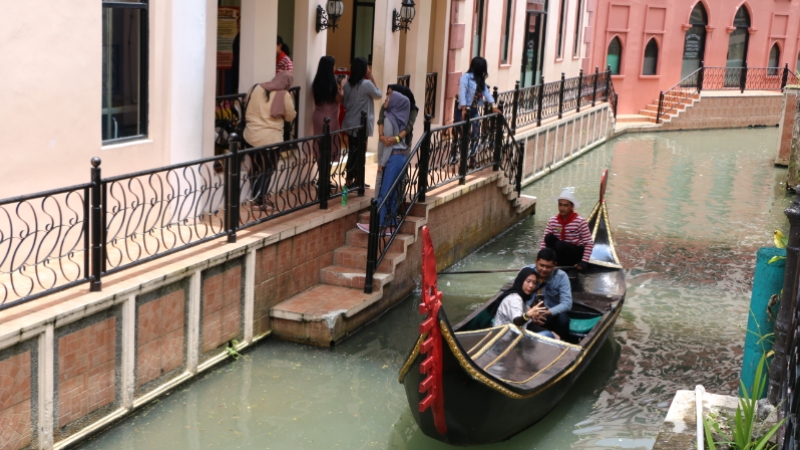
(232, 352)
(743, 424)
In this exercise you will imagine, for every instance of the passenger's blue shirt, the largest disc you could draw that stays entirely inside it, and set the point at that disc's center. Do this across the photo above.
(557, 291)
(466, 90)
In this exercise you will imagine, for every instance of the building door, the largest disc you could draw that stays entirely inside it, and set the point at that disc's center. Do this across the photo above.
(694, 43)
(363, 26)
(737, 47)
(532, 49)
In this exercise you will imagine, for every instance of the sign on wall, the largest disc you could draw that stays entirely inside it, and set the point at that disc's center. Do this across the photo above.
(227, 29)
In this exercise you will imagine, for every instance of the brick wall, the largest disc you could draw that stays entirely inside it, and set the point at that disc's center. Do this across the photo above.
(86, 368)
(160, 332)
(222, 296)
(729, 112)
(15, 401)
(292, 266)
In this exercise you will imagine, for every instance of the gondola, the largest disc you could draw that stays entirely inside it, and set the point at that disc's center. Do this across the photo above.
(475, 384)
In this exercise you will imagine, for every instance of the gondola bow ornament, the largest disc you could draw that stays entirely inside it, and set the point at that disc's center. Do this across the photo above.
(431, 366)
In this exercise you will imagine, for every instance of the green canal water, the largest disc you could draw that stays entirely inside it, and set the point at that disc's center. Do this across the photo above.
(688, 211)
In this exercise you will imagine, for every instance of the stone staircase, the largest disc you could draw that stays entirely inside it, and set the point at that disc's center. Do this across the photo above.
(670, 100)
(338, 306)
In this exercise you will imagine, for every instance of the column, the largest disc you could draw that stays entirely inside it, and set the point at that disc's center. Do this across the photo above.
(188, 79)
(257, 40)
(416, 57)
(384, 42)
(309, 47)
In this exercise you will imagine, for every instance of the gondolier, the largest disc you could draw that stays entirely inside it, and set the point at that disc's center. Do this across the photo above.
(568, 233)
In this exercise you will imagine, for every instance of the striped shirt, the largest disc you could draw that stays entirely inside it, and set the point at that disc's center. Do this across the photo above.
(284, 63)
(576, 232)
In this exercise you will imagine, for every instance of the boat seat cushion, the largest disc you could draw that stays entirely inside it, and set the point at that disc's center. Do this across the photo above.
(583, 326)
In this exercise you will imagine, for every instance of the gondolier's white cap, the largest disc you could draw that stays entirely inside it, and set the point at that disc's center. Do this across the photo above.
(568, 194)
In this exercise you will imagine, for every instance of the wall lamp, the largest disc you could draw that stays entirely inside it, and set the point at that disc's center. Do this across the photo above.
(328, 17)
(403, 20)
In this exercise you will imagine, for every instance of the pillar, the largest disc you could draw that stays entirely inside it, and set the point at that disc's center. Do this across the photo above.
(257, 40)
(787, 125)
(384, 42)
(188, 83)
(416, 57)
(309, 47)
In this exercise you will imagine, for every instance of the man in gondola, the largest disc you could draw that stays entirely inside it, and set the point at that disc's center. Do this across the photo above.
(568, 233)
(553, 313)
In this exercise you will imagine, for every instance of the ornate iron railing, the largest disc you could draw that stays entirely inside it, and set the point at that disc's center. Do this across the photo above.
(404, 80)
(723, 78)
(44, 243)
(441, 156)
(57, 239)
(431, 85)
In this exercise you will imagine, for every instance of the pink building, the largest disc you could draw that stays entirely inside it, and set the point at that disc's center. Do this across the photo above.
(652, 44)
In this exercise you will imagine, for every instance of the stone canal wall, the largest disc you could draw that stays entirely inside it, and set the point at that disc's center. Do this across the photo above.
(75, 362)
(724, 109)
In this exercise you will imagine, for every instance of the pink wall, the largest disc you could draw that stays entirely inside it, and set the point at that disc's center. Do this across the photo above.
(636, 21)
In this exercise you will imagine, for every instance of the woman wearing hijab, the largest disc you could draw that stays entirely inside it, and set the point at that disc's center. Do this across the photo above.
(267, 107)
(360, 93)
(516, 304)
(392, 155)
(327, 95)
(405, 134)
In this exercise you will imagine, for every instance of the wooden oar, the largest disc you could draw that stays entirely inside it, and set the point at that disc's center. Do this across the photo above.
(473, 272)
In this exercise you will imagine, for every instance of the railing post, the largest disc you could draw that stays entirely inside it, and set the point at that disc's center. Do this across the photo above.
(362, 154)
(783, 329)
(561, 96)
(743, 78)
(97, 228)
(498, 137)
(594, 89)
(324, 163)
(494, 96)
(785, 76)
(580, 89)
(372, 245)
(608, 83)
(520, 164)
(233, 188)
(424, 159)
(701, 77)
(466, 137)
(660, 107)
(539, 101)
(515, 109)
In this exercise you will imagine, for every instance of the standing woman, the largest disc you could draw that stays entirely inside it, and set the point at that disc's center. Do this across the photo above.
(267, 107)
(283, 63)
(392, 155)
(360, 92)
(473, 93)
(327, 96)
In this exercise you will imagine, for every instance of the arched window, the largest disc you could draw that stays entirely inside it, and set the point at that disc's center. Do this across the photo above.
(737, 47)
(650, 58)
(774, 60)
(614, 58)
(694, 44)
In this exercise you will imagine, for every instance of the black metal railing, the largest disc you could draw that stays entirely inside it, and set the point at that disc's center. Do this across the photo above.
(431, 85)
(53, 240)
(441, 156)
(229, 118)
(404, 80)
(723, 78)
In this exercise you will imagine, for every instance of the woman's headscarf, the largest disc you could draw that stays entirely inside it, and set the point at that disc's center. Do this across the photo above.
(398, 110)
(279, 86)
(405, 91)
(517, 287)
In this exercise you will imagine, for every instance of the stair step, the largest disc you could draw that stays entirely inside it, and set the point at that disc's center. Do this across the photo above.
(356, 257)
(358, 238)
(323, 314)
(410, 226)
(351, 277)
(633, 118)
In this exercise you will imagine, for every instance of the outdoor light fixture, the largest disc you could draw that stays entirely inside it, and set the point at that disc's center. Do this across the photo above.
(327, 18)
(403, 20)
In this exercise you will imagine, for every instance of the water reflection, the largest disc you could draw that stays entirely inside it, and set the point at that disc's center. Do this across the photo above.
(689, 210)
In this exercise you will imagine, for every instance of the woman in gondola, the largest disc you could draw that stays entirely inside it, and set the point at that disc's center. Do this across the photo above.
(516, 304)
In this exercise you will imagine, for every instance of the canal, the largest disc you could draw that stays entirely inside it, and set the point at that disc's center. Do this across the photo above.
(688, 211)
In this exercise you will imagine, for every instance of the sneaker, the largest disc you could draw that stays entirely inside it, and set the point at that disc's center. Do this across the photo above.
(388, 231)
(363, 227)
